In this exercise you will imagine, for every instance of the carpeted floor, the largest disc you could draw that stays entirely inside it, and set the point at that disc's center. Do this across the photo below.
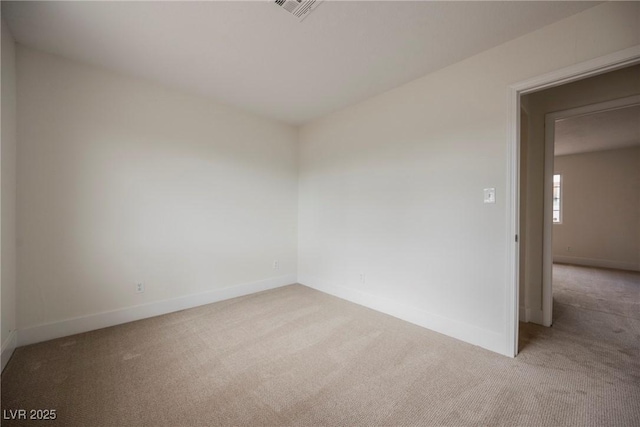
(597, 289)
(295, 356)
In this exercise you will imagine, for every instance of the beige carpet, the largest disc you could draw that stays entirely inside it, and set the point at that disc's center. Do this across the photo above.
(598, 289)
(295, 356)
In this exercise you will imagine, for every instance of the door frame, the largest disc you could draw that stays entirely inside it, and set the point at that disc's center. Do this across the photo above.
(600, 65)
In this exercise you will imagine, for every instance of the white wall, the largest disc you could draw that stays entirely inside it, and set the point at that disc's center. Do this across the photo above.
(393, 187)
(605, 87)
(600, 209)
(122, 180)
(8, 201)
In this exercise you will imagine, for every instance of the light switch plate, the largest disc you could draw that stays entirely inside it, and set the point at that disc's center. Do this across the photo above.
(489, 195)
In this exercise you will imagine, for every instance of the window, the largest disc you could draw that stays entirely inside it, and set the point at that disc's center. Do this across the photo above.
(557, 200)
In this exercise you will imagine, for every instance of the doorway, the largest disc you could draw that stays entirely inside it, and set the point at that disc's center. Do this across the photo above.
(592, 155)
(530, 203)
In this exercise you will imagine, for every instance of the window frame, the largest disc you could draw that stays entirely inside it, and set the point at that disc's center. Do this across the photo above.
(560, 191)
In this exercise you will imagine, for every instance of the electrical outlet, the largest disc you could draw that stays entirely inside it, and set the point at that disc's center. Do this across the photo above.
(276, 265)
(363, 278)
(139, 288)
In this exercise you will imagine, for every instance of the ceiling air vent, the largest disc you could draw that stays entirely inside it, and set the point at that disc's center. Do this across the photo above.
(298, 8)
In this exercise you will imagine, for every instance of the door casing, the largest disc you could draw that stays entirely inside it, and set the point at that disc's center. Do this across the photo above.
(600, 65)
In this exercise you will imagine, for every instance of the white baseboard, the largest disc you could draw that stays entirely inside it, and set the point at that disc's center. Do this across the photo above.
(531, 315)
(463, 331)
(8, 347)
(535, 316)
(116, 317)
(524, 314)
(591, 262)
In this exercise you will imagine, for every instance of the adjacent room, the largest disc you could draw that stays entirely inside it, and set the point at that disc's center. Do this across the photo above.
(306, 212)
(596, 212)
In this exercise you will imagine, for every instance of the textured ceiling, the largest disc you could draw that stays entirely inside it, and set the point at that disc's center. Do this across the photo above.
(256, 56)
(607, 130)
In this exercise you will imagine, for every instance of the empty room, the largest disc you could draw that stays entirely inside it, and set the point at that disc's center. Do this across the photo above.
(326, 213)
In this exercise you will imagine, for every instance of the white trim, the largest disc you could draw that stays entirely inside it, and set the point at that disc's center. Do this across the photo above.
(535, 315)
(513, 224)
(116, 317)
(594, 262)
(593, 67)
(579, 71)
(614, 104)
(463, 331)
(525, 314)
(547, 222)
(8, 347)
